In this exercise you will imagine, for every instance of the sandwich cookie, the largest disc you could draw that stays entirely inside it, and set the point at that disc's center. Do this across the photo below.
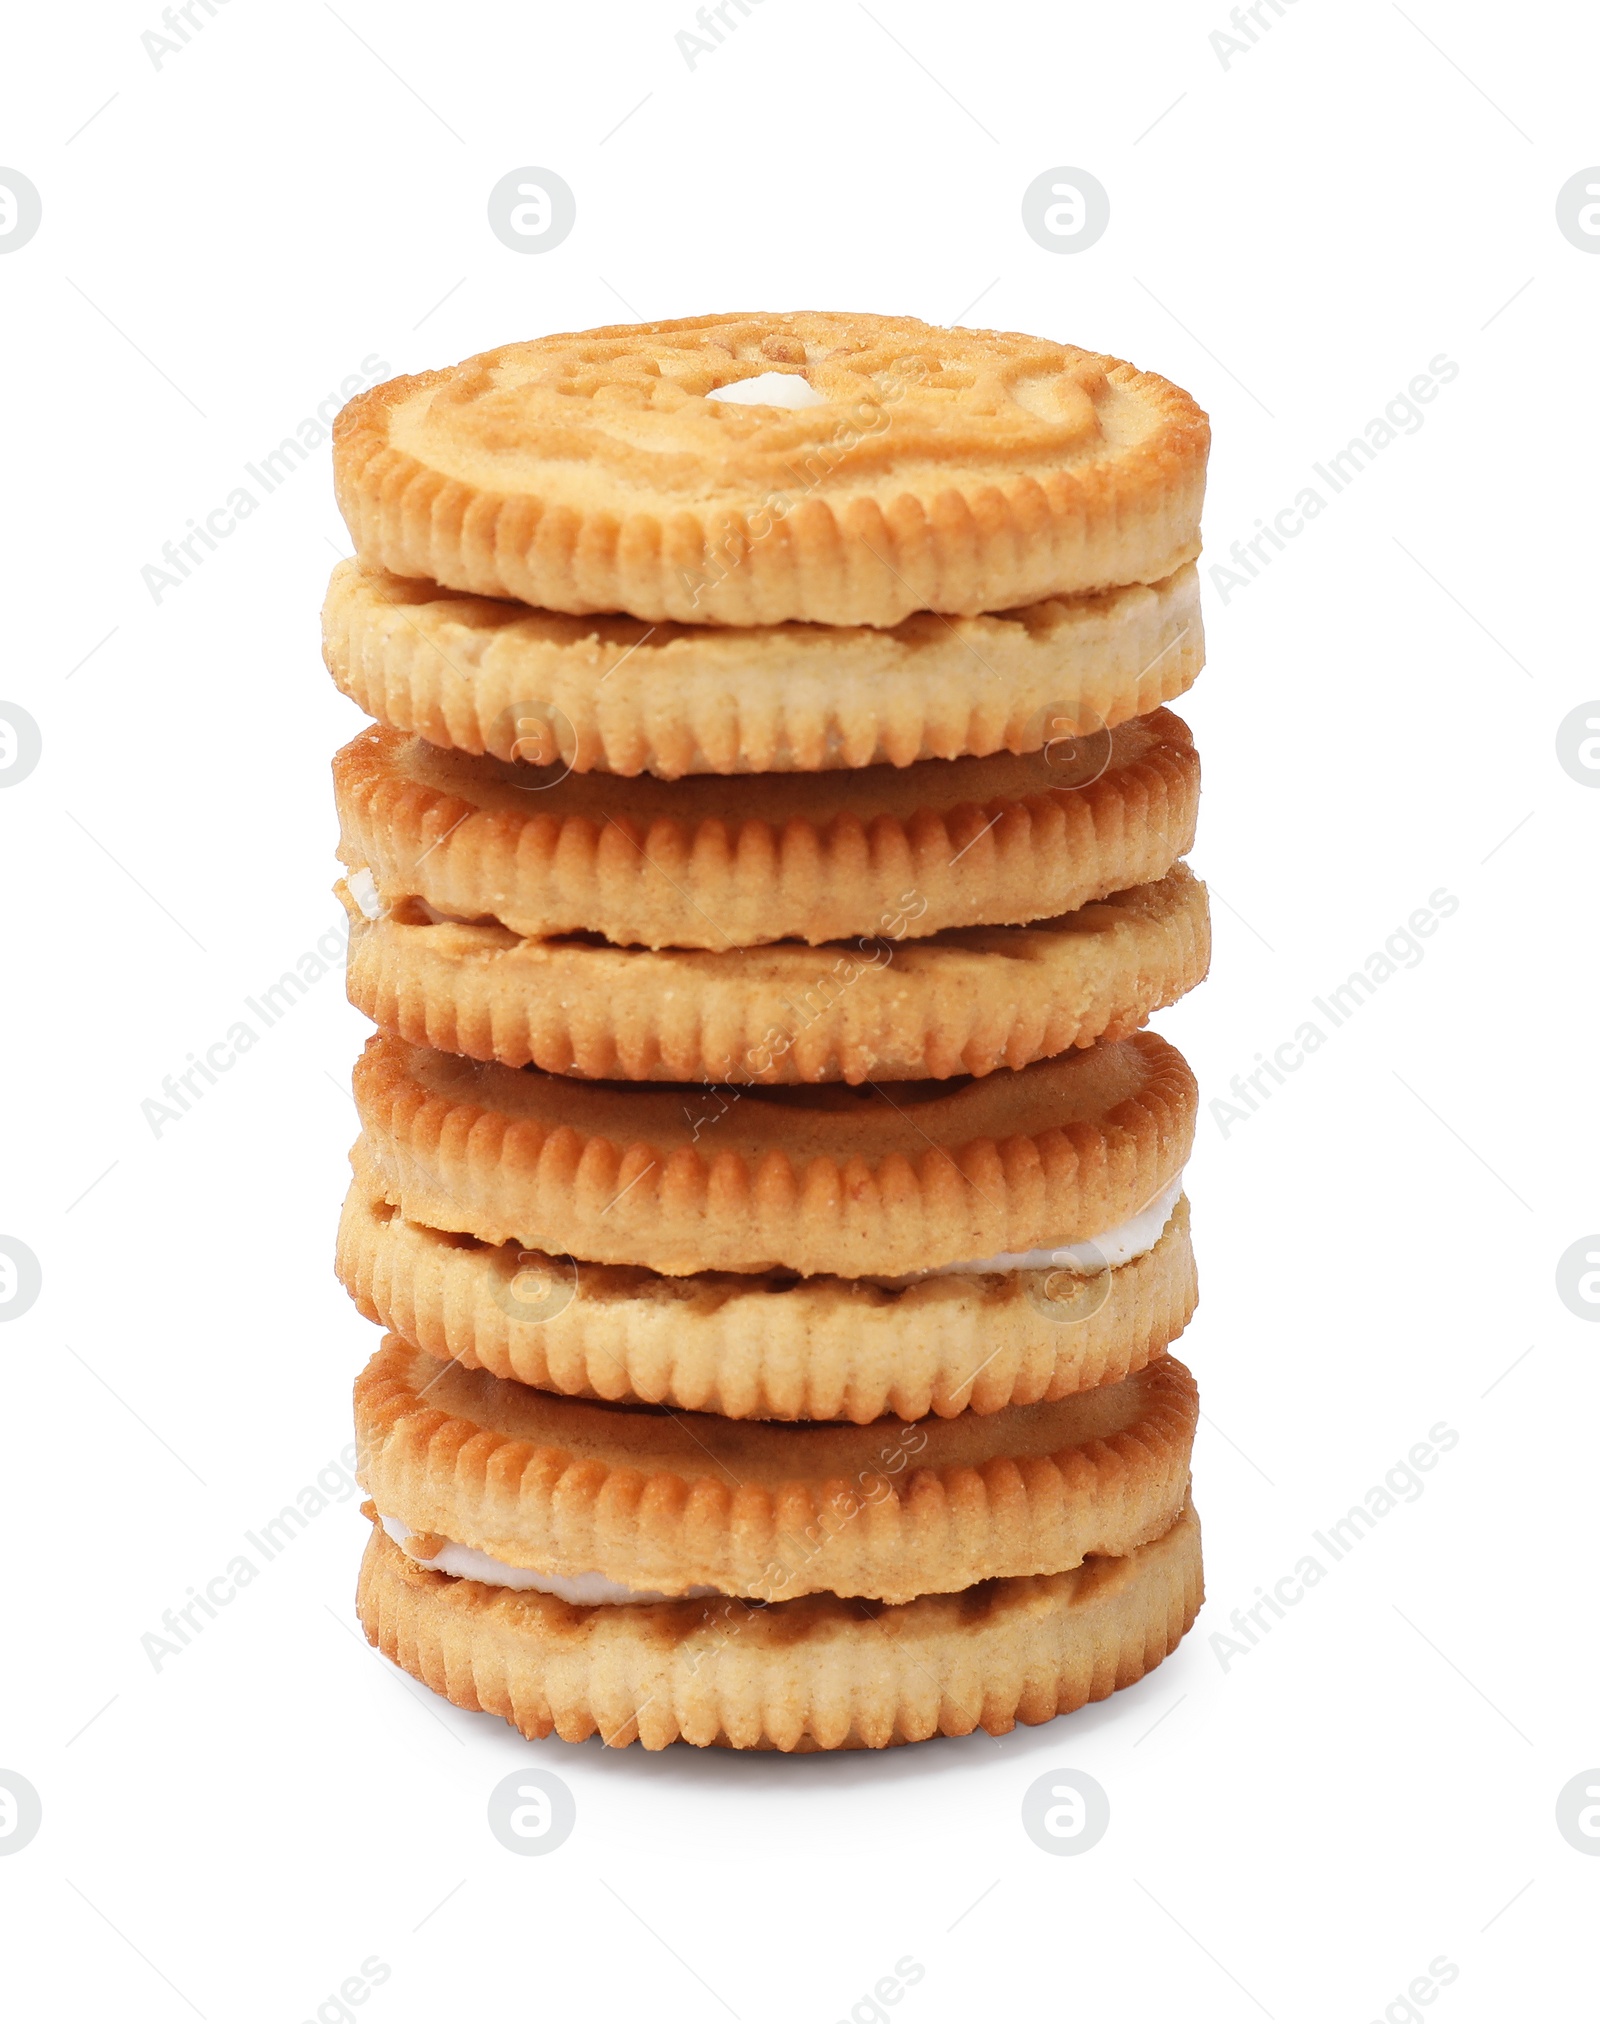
(873, 466)
(821, 1672)
(582, 1568)
(726, 863)
(612, 694)
(608, 1503)
(767, 1346)
(806, 1178)
(962, 1001)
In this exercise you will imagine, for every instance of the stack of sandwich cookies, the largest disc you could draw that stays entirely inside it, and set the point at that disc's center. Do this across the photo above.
(765, 1175)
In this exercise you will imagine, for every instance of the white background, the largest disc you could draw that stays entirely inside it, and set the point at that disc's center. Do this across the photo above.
(1294, 236)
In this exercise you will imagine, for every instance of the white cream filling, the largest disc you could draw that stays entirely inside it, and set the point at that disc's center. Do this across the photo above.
(363, 889)
(1120, 1246)
(772, 390)
(469, 1564)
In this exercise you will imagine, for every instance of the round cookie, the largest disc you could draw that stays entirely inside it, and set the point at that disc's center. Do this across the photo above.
(721, 863)
(753, 1347)
(670, 1502)
(817, 1673)
(807, 1178)
(930, 470)
(966, 1000)
(612, 694)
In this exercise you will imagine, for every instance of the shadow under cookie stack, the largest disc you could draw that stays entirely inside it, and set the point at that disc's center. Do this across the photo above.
(762, 867)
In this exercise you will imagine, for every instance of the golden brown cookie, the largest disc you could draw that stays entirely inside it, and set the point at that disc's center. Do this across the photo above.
(754, 1347)
(611, 694)
(937, 470)
(818, 1673)
(809, 1177)
(966, 1000)
(714, 863)
(664, 1501)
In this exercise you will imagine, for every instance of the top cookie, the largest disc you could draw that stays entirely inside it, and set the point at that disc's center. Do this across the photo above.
(926, 470)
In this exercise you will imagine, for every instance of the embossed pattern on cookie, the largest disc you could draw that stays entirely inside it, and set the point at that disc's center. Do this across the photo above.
(940, 470)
